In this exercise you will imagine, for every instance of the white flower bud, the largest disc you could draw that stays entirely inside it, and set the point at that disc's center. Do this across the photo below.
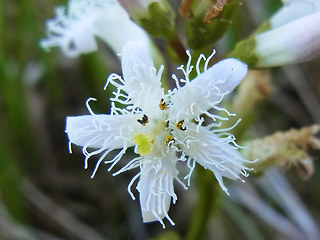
(294, 42)
(290, 36)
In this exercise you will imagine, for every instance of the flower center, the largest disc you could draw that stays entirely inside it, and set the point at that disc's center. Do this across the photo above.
(143, 143)
(159, 135)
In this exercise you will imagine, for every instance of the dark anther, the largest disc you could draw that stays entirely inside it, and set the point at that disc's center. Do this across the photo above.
(179, 125)
(144, 120)
(163, 105)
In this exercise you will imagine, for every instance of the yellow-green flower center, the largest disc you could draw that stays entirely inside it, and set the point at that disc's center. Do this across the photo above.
(143, 142)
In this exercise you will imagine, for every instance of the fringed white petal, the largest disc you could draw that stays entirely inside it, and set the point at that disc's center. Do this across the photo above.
(207, 89)
(225, 75)
(74, 29)
(216, 153)
(74, 36)
(156, 188)
(100, 135)
(141, 81)
(97, 131)
(136, 58)
(116, 28)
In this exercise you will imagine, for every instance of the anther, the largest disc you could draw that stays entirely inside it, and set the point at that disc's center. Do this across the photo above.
(163, 105)
(169, 140)
(179, 125)
(144, 120)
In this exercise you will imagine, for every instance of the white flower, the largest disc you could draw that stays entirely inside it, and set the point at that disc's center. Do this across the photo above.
(293, 36)
(163, 128)
(74, 29)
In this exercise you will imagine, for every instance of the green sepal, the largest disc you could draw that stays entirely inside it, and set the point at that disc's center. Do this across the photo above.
(160, 20)
(200, 34)
(244, 51)
(265, 26)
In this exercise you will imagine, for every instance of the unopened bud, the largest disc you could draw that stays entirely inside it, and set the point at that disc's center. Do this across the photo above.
(290, 36)
(155, 16)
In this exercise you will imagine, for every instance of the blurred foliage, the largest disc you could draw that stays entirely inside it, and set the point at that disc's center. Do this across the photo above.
(38, 90)
(200, 34)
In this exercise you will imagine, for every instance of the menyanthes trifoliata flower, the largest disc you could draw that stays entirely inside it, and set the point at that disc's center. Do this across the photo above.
(163, 128)
(74, 29)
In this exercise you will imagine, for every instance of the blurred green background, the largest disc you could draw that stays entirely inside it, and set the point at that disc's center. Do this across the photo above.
(46, 194)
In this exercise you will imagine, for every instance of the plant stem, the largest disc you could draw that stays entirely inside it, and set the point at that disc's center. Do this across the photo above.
(206, 204)
(179, 49)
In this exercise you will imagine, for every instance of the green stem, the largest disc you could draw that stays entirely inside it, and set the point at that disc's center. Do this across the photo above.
(206, 204)
(10, 180)
(11, 127)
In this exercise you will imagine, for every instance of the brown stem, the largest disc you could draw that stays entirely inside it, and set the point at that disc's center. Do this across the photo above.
(179, 49)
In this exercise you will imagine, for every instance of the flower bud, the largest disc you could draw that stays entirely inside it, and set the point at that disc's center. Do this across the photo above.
(155, 16)
(291, 36)
(208, 22)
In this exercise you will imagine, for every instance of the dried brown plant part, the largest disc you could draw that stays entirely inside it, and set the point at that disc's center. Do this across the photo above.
(210, 9)
(254, 88)
(286, 149)
(184, 8)
(215, 9)
(305, 168)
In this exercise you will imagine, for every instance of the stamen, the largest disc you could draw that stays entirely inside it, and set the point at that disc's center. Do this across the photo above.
(169, 140)
(179, 125)
(144, 120)
(163, 105)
